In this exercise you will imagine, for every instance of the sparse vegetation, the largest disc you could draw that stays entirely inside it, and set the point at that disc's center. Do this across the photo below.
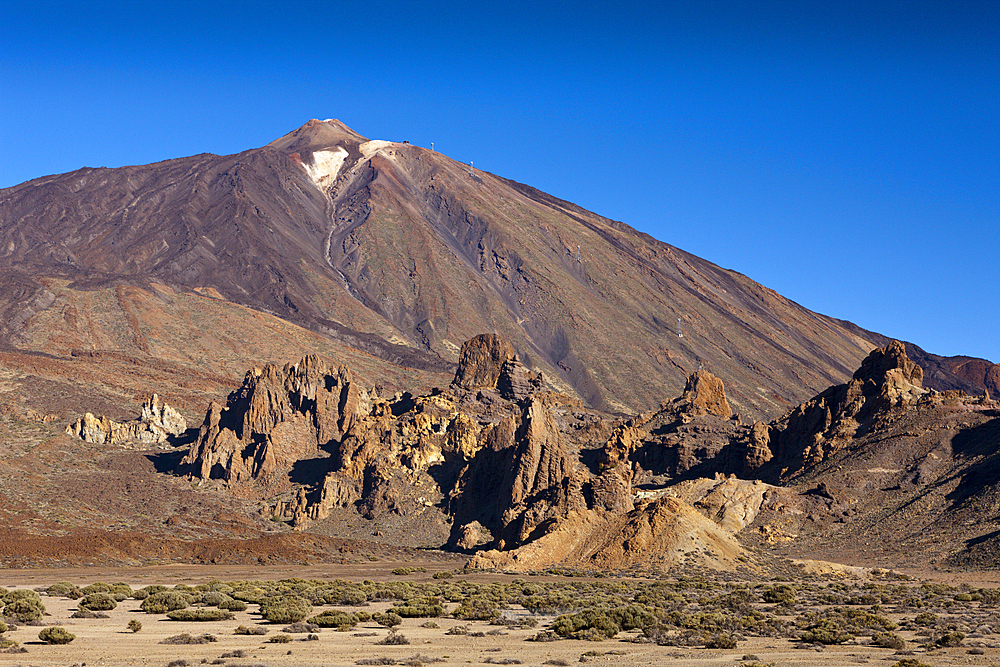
(189, 639)
(98, 602)
(165, 601)
(393, 638)
(199, 614)
(56, 635)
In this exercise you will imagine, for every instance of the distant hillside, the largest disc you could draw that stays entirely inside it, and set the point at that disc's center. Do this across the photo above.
(397, 254)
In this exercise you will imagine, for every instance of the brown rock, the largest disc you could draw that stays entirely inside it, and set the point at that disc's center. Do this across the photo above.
(481, 361)
(705, 394)
(278, 416)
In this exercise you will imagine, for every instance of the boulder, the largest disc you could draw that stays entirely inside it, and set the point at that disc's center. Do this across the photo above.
(481, 360)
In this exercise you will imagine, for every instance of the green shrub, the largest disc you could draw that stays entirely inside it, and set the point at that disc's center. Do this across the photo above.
(146, 591)
(285, 609)
(23, 606)
(341, 620)
(388, 620)
(593, 624)
(98, 602)
(199, 614)
(478, 608)
(233, 605)
(826, 632)
(64, 589)
(121, 591)
(214, 599)
(3, 627)
(98, 587)
(419, 610)
(164, 601)
(250, 630)
(951, 639)
(134, 625)
(721, 640)
(780, 594)
(279, 639)
(56, 635)
(443, 574)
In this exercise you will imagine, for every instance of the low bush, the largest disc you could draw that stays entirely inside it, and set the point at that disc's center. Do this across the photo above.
(393, 639)
(780, 594)
(97, 587)
(164, 601)
(951, 639)
(188, 639)
(280, 639)
(64, 589)
(146, 591)
(134, 625)
(56, 635)
(285, 609)
(98, 602)
(300, 627)
(888, 640)
(233, 605)
(250, 630)
(200, 614)
(388, 620)
(826, 632)
(341, 620)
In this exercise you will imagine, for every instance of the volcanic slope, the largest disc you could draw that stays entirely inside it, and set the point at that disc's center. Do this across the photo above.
(400, 253)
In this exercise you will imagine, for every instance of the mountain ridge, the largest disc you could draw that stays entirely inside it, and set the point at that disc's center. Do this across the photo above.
(392, 248)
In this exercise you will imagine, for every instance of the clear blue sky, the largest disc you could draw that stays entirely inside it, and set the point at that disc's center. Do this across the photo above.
(845, 154)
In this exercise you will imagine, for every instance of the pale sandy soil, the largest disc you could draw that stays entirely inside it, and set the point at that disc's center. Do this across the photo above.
(107, 642)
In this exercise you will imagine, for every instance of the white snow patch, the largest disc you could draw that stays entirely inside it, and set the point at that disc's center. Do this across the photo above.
(325, 166)
(369, 148)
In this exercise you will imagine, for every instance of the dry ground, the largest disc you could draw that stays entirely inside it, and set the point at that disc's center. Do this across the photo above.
(108, 642)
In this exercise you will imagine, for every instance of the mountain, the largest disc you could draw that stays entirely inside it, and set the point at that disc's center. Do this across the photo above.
(388, 256)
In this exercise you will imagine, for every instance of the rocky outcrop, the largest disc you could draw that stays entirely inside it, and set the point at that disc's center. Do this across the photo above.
(278, 417)
(885, 385)
(481, 360)
(521, 480)
(704, 394)
(157, 422)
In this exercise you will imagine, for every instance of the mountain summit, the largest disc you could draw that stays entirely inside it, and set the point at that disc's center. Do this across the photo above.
(402, 253)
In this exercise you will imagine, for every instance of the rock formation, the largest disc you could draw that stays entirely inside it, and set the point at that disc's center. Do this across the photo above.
(278, 417)
(522, 477)
(156, 423)
(481, 360)
(886, 384)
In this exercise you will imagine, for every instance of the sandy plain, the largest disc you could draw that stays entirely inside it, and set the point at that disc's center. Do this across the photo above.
(108, 642)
